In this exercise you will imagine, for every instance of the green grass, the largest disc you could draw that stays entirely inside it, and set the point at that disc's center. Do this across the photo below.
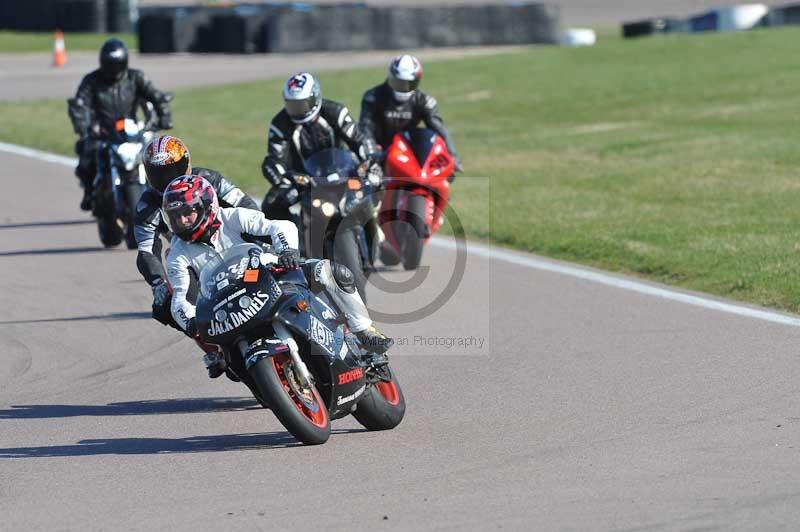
(674, 158)
(23, 41)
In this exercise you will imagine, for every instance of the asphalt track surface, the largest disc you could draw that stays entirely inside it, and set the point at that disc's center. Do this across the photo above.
(585, 407)
(30, 77)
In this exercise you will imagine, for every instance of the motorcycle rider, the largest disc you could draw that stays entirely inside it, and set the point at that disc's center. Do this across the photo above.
(307, 124)
(106, 95)
(192, 213)
(166, 158)
(398, 105)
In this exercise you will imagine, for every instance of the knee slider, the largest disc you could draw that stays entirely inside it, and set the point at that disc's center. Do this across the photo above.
(344, 278)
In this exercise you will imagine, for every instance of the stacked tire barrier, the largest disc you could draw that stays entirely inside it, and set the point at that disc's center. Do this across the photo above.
(733, 18)
(168, 30)
(290, 28)
(93, 16)
(787, 15)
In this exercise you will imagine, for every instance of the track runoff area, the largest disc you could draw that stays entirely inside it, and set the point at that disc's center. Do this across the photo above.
(541, 395)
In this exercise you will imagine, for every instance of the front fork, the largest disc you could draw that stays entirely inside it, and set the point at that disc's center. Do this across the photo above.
(251, 356)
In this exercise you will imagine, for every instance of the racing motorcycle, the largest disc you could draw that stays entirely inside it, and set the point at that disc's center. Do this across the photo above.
(338, 212)
(418, 166)
(291, 347)
(120, 181)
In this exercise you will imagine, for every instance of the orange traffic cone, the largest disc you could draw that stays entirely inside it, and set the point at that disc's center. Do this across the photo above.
(59, 50)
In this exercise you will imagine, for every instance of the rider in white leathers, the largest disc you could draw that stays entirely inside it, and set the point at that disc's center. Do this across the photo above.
(202, 229)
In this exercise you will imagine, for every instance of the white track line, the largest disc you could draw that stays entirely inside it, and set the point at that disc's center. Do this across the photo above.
(37, 154)
(491, 252)
(519, 259)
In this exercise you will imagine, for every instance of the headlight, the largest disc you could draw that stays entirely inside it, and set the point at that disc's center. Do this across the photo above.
(328, 209)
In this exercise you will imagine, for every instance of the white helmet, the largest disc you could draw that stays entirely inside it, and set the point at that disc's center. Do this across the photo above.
(302, 97)
(405, 71)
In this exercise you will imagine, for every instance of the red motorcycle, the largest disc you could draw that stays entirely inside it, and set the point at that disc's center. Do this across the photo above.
(418, 166)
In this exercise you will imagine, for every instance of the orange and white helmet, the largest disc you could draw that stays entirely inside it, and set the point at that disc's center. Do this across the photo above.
(165, 159)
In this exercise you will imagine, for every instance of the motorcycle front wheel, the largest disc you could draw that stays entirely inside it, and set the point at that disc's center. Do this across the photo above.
(299, 409)
(346, 252)
(383, 406)
(109, 231)
(133, 192)
(413, 232)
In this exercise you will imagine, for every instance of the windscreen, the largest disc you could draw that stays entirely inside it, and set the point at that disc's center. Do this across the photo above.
(421, 141)
(226, 268)
(333, 166)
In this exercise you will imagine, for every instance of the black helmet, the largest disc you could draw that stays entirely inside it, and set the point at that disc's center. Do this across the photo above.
(113, 60)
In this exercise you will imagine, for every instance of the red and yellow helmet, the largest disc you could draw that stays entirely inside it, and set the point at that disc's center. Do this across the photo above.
(165, 159)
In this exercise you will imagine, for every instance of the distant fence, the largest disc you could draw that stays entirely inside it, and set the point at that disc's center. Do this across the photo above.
(741, 17)
(93, 16)
(286, 28)
(290, 27)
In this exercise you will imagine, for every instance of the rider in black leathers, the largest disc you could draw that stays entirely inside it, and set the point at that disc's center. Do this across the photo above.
(166, 158)
(106, 95)
(398, 105)
(306, 125)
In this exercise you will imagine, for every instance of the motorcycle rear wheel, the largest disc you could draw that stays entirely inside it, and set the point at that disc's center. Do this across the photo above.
(413, 232)
(304, 415)
(383, 405)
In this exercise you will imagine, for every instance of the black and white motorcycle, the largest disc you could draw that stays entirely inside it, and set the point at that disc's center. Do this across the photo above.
(290, 347)
(120, 181)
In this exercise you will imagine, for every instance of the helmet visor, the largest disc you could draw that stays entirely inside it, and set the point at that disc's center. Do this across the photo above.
(183, 218)
(159, 175)
(300, 109)
(402, 85)
(114, 69)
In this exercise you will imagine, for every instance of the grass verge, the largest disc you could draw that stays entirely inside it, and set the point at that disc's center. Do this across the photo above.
(674, 158)
(24, 41)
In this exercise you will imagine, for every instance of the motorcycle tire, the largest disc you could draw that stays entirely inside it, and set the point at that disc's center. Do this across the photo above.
(236, 365)
(382, 407)
(132, 194)
(346, 252)
(109, 231)
(388, 256)
(307, 419)
(413, 239)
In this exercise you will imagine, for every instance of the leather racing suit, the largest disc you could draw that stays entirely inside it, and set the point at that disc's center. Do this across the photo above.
(236, 224)
(150, 226)
(99, 103)
(290, 144)
(382, 116)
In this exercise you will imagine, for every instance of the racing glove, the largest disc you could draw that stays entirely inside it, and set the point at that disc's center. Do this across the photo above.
(160, 292)
(289, 259)
(375, 174)
(191, 329)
